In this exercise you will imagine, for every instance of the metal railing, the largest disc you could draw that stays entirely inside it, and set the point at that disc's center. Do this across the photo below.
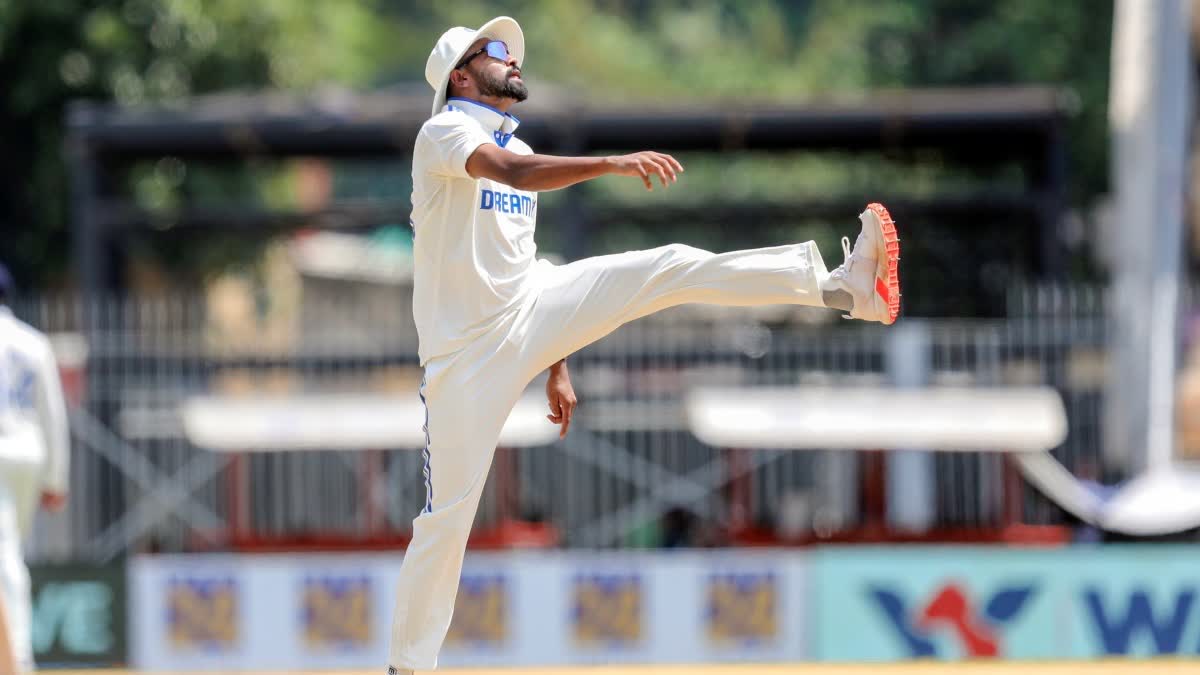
(629, 474)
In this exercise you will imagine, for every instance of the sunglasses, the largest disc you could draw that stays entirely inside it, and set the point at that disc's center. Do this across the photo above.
(495, 49)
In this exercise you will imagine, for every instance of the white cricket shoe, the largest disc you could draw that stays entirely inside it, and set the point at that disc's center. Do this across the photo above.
(870, 273)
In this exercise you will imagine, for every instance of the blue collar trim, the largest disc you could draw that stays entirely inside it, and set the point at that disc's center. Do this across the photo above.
(486, 107)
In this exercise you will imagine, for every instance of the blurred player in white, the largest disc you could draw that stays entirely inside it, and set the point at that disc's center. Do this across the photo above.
(490, 316)
(34, 456)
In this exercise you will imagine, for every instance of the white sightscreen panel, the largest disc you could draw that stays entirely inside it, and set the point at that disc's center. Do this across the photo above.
(943, 418)
(336, 422)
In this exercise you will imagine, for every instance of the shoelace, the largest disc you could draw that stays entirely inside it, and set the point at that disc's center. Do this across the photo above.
(843, 270)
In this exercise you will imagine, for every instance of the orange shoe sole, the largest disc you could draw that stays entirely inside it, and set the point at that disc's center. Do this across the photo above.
(889, 288)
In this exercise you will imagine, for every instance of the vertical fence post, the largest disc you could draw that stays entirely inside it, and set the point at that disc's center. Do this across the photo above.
(910, 472)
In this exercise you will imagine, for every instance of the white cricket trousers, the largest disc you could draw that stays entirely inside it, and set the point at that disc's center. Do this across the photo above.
(22, 454)
(14, 581)
(469, 394)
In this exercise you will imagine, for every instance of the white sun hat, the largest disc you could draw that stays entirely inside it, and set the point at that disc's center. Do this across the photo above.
(452, 46)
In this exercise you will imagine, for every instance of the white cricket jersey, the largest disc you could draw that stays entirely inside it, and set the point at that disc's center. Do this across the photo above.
(33, 414)
(473, 249)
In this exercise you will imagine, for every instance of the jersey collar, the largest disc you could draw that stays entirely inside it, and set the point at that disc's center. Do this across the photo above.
(492, 119)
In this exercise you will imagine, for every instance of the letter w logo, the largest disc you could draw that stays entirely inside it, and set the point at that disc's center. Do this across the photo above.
(1116, 631)
(951, 608)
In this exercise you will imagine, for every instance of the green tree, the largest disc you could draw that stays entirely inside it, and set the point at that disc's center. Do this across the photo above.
(138, 52)
(162, 51)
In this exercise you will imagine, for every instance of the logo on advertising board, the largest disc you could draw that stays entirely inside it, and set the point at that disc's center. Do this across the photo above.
(606, 609)
(202, 613)
(79, 615)
(741, 609)
(480, 612)
(1117, 625)
(335, 611)
(949, 610)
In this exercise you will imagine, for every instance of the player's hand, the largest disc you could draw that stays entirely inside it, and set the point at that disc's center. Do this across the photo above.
(53, 501)
(561, 396)
(646, 165)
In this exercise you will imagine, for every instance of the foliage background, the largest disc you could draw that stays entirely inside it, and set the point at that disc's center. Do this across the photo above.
(162, 51)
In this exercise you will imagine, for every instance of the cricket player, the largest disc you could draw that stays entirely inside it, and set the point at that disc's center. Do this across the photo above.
(34, 456)
(490, 316)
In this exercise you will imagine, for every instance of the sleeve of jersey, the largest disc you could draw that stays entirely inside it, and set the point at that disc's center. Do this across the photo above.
(449, 140)
(52, 416)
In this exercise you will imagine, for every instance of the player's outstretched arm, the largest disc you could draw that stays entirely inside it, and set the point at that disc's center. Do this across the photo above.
(539, 173)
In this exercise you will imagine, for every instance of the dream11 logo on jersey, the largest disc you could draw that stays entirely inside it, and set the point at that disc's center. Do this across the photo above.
(950, 609)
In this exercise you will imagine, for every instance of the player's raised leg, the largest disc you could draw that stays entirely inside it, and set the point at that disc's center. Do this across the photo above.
(583, 301)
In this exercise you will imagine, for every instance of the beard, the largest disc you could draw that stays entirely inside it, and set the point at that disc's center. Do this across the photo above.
(503, 87)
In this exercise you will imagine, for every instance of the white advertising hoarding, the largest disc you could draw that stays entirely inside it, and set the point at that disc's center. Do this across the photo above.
(207, 612)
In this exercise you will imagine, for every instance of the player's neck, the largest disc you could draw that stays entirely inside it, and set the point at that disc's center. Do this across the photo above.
(498, 103)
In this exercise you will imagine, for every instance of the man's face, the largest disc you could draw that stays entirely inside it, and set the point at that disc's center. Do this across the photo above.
(495, 77)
